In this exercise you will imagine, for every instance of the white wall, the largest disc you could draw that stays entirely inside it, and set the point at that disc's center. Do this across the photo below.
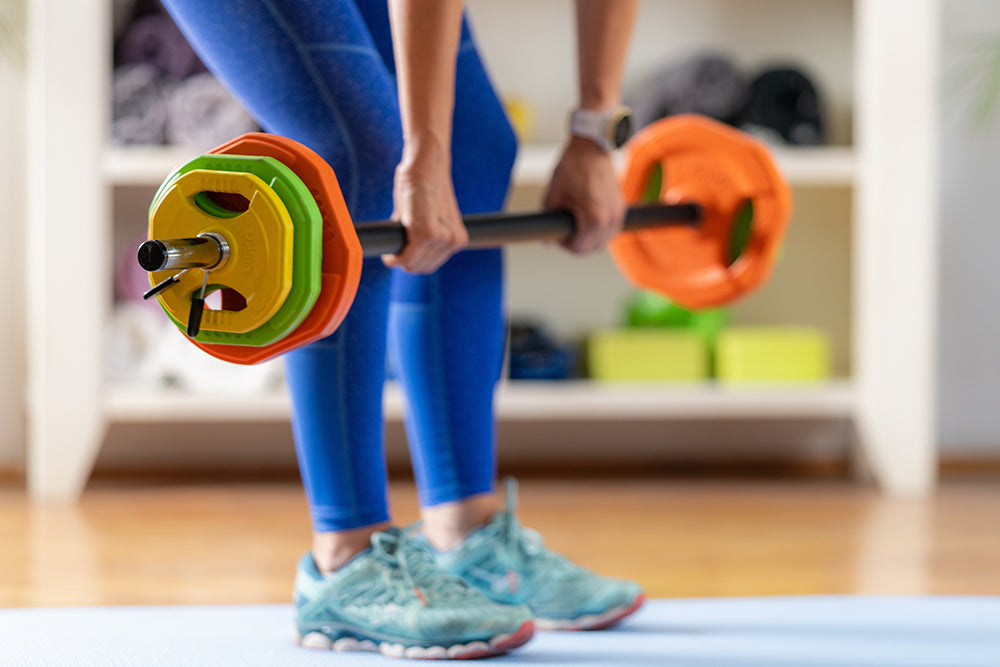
(969, 418)
(12, 189)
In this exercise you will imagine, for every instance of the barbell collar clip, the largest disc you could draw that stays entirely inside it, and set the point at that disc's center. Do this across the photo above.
(197, 309)
(164, 285)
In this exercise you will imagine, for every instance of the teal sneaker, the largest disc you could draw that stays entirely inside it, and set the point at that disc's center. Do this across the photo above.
(510, 564)
(394, 599)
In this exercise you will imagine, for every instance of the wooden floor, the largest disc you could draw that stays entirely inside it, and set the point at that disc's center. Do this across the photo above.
(237, 542)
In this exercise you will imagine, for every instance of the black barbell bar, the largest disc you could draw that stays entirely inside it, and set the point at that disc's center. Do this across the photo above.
(389, 237)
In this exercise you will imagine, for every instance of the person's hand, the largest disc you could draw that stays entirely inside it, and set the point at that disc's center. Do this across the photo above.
(584, 182)
(425, 205)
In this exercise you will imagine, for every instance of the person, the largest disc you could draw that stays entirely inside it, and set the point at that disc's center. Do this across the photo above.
(396, 98)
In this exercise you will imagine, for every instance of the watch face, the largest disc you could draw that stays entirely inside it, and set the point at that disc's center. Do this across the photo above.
(622, 130)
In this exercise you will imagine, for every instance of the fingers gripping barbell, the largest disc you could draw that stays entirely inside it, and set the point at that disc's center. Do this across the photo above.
(261, 219)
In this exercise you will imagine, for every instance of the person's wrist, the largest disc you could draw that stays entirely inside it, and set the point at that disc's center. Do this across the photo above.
(586, 148)
(425, 152)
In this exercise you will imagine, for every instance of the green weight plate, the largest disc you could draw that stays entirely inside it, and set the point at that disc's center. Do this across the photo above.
(307, 245)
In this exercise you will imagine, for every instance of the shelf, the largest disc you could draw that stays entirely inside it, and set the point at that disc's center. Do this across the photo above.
(824, 166)
(582, 400)
(522, 401)
(126, 404)
(144, 165)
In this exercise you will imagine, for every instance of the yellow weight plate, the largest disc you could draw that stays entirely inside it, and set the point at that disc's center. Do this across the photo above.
(260, 247)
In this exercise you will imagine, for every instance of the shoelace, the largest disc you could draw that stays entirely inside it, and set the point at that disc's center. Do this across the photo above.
(511, 556)
(521, 544)
(415, 563)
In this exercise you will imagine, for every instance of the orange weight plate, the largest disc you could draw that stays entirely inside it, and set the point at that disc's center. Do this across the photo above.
(342, 253)
(718, 167)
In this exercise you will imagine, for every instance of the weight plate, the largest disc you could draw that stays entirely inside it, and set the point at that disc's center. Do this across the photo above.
(342, 256)
(306, 253)
(260, 247)
(721, 169)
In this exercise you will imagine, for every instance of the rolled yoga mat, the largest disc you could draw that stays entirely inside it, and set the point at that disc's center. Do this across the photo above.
(202, 114)
(785, 104)
(709, 84)
(154, 39)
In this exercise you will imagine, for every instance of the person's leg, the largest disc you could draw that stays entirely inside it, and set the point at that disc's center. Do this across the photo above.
(336, 391)
(308, 69)
(447, 329)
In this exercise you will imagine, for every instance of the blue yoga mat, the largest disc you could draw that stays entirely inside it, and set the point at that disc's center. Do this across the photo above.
(741, 632)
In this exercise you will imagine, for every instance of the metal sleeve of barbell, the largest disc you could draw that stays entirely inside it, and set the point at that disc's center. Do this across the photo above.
(497, 229)
(188, 253)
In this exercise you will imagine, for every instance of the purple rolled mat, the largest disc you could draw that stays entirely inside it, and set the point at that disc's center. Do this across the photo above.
(155, 40)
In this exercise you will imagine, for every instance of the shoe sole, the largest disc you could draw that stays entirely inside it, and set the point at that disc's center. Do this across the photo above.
(496, 645)
(592, 621)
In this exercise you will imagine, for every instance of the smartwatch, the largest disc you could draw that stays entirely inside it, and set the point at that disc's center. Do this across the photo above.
(607, 129)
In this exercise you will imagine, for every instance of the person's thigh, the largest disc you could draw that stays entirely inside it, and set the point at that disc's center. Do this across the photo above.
(308, 70)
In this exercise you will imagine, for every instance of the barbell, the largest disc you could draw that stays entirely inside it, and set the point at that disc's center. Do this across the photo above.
(262, 220)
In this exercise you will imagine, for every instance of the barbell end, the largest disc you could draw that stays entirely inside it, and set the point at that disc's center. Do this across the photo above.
(152, 255)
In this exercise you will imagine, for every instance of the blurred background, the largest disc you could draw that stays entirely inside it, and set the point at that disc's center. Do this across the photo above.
(784, 70)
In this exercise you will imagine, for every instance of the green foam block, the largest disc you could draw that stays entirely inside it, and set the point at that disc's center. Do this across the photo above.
(772, 354)
(669, 355)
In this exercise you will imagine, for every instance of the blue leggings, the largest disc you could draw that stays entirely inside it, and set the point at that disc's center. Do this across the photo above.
(322, 72)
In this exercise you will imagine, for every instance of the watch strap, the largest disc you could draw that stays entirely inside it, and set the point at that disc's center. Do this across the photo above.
(598, 126)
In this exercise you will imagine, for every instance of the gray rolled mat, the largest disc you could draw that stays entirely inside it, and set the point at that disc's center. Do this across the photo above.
(154, 39)
(202, 114)
(139, 105)
(709, 84)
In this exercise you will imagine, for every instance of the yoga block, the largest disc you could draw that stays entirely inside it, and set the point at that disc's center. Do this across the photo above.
(648, 354)
(772, 354)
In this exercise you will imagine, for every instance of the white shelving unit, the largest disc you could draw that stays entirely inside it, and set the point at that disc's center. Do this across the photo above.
(890, 169)
(825, 166)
